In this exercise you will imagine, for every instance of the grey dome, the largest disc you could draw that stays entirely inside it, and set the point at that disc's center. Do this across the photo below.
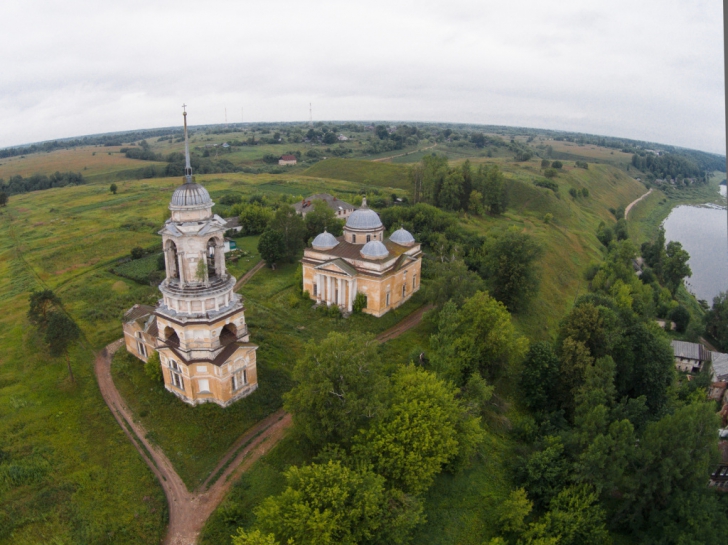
(402, 237)
(324, 241)
(374, 250)
(190, 195)
(364, 218)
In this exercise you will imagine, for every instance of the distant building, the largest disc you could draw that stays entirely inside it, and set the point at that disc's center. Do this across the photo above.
(287, 160)
(343, 138)
(230, 245)
(690, 357)
(342, 209)
(233, 224)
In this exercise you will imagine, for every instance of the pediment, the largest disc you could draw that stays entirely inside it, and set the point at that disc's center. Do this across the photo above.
(338, 266)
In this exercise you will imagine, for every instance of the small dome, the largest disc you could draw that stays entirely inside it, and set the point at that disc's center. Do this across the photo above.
(324, 241)
(364, 218)
(190, 195)
(402, 237)
(374, 250)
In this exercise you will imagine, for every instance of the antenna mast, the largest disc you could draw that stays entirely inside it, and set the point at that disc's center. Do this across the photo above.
(310, 115)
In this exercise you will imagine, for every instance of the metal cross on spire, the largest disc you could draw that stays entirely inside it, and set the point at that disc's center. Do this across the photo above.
(188, 166)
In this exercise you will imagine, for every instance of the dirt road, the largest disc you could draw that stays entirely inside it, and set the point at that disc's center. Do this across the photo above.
(630, 205)
(382, 159)
(188, 511)
(248, 275)
(405, 325)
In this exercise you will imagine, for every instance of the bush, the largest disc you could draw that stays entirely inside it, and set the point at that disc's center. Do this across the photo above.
(548, 217)
(153, 368)
(582, 164)
(545, 163)
(681, 317)
(547, 184)
(584, 192)
(550, 173)
(137, 252)
(557, 164)
(573, 192)
(360, 302)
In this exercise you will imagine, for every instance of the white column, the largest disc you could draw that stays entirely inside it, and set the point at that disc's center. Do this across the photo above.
(166, 263)
(327, 281)
(220, 260)
(320, 289)
(180, 264)
(350, 298)
(339, 295)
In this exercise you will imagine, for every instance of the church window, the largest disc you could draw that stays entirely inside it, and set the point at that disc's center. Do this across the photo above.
(202, 369)
(387, 304)
(240, 379)
(414, 281)
(203, 386)
(404, 290)
(369, 238)
(140, 345)
(175, 371)
(353, 238)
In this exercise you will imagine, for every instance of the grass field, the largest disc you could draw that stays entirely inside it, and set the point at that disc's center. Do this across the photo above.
(70, 472)
(367, 173)
(91, 161)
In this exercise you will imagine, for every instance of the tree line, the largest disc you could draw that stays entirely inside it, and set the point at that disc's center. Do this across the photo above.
(37, 182)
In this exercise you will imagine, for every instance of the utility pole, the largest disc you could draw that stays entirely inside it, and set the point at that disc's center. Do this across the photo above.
(310, 115)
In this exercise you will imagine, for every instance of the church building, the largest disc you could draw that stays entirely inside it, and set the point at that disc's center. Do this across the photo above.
(199, 324)
(362, 261)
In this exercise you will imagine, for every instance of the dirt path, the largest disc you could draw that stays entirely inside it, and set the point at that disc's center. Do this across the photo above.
(382, 159)
(248, 275)
(630, 205)
(405, 325)
(188, 511)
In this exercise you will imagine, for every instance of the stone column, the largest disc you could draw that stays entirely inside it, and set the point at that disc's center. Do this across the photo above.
(329, 290)
(167, 267)
(220, 260)
(320, 287)
(180, 264)
(350, 298)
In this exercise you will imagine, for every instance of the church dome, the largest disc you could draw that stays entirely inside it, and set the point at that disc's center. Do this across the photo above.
(374, 250)
(191, 195)
(402, 237)
(364, 218)
(324, 241)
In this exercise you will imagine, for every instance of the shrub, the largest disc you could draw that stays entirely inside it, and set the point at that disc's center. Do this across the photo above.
(550, 173)
(548, 217)
(557, 164)
(153, 368)
(584, 192)
(582, 164)
(547, 184)
(360, 302)
(573, 192)
(137, 252)
(545, 163)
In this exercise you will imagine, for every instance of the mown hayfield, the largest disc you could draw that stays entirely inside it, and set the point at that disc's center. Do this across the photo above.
(368, 173)
(88, 160)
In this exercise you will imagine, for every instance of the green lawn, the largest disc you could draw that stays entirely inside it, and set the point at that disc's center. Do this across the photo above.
(368, 173)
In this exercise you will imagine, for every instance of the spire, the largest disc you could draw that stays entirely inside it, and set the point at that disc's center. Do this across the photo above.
(188, 166)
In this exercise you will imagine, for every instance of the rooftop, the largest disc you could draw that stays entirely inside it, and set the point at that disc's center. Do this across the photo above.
(307, 204)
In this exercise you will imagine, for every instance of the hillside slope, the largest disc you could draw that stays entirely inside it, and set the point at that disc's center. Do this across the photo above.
(369, 173)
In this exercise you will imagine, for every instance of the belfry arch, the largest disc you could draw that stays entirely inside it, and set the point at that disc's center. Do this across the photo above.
(172, 260)
(215, 258)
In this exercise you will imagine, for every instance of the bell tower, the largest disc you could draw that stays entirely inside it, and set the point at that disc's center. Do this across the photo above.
(203, 340)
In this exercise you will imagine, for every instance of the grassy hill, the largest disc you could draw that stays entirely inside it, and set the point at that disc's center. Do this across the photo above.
(75, 476)
(368, 173)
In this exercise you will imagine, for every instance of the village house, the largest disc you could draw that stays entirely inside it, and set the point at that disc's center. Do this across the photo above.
(341, 208)
(233, 224)
(287, 160)
(385, 271)
(198, 328)
(690, 357)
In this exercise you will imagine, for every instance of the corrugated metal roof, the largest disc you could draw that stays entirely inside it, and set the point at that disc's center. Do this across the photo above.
(692, 351)
(719, 363)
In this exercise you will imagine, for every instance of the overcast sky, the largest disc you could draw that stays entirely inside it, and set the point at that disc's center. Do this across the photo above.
(642, 69)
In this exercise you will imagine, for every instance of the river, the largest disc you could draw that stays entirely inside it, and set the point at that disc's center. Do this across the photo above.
(703, 232)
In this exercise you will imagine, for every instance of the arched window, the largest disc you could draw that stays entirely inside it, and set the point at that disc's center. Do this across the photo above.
(369, 238)
(212, 246)
(353, 238)
(404, 290)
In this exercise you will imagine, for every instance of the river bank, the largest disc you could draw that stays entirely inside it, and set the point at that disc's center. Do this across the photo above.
(646, 217)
